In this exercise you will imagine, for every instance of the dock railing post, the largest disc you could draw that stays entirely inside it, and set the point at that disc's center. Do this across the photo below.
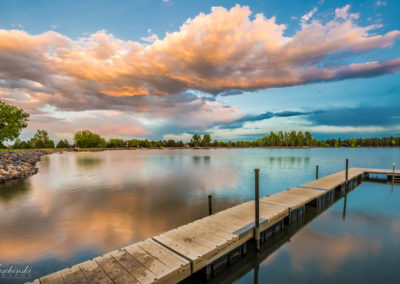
(257, 208)
(347, 175)
(394, 166)
(316, 172)
(210, 210)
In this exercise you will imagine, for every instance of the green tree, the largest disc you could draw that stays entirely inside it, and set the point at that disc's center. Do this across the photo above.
(18, 144)
(63, 144)
(12, 121)
(116, 143)
(87, 139)
(171, 143)
(300, 139)
(280, 138)
(41, 140)
(133, 143)
(196, 140)
(308, 138)
(293, 137)
(205, 142)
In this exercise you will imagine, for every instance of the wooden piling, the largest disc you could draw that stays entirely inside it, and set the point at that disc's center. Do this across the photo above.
(257, 208)
(316, 172)
(210, 209)
(394, 166)
(344, 206)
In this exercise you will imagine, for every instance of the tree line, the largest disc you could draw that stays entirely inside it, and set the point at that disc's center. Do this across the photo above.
(88, 139)
(13, 120)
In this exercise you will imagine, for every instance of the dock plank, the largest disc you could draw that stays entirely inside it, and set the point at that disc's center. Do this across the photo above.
(73, 275)
(181, 249)
(180, 267)
(54, 278)
(137, 270)
(287, 199)
(159, 269)
(93, 273)
(114, 270)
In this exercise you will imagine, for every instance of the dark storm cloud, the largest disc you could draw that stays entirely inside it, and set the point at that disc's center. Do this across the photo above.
(358, 116)
(267, 115)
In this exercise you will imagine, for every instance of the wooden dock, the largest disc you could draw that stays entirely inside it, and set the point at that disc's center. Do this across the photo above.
(212, 241)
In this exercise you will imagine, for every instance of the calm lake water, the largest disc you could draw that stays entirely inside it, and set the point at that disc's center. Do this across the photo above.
(81, 205)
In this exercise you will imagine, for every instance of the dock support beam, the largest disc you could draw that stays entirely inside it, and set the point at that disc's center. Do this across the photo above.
(210, 209)
(257, 208)
(316, 172)
(394, 167)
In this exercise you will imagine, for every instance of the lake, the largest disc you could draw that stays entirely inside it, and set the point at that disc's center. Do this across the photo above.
(81, 205)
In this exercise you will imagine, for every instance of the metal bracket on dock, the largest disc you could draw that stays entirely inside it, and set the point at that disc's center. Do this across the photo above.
(247, 228)
(309, 187)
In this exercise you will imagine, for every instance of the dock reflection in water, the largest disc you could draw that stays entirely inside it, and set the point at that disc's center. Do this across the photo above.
(81, 205)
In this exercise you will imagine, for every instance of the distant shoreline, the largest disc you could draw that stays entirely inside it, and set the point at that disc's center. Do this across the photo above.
(182, 148)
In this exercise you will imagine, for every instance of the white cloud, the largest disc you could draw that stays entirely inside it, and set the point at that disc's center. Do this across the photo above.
(380, 3)
(305, 18)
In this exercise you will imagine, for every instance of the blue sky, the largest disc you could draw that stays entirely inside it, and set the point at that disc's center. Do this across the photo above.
(111, 67)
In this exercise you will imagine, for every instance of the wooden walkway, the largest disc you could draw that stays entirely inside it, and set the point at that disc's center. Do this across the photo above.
(175, 255)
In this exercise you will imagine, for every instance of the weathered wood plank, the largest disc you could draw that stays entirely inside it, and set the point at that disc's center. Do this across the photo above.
(162, 254)
(114, 270)
(93, 273)
(203, 237)
(188, 241)
(191, 254)
(286, 198)
(73, 275)
(180, 267)
(214, 230)
(54, 278)
(151, 263)
(137, 270)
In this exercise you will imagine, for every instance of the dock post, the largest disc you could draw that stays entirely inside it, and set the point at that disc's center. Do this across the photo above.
(257, 207)
(316, 172)
(347, 175)
(344, 206)
(210, 211)
(394, 166)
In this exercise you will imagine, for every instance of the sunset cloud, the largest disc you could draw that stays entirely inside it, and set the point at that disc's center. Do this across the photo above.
(223, 52)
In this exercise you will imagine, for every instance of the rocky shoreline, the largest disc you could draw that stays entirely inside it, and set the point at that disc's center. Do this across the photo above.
(19, 164)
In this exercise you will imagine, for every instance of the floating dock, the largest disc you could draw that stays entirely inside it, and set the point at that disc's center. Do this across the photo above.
(213, 241)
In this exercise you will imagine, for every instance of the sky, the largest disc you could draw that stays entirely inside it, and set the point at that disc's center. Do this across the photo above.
(233, 69)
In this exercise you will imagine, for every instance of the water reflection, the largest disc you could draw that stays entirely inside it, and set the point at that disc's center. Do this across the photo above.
(296, 161)
(88, 162)
(81, 205)
(201, 160)
(13, 190)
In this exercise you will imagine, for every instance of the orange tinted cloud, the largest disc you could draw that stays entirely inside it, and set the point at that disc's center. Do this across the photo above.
(215, 52)
(219, 52)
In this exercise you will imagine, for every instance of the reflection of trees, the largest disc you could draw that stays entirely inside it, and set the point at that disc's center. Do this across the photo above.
(88, 162)
(293, 161)
(13, 190)
(197, 159)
